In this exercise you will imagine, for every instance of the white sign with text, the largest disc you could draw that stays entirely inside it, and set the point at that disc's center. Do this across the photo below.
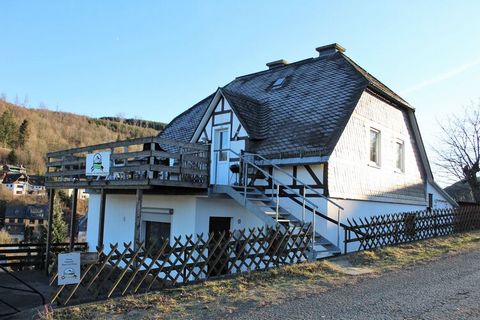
(98, 164)
(68, 268)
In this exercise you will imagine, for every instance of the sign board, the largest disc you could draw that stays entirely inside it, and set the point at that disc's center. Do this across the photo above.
(88, 258)
(98, 164)
(68, 268)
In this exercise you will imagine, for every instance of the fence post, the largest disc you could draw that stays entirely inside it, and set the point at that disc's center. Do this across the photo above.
(51, 202)
(345, 241)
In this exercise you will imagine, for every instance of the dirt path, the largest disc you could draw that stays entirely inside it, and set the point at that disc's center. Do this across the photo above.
(448, 288)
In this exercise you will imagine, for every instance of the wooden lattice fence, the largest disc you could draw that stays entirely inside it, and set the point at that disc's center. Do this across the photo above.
(392, 229)
(122, 270)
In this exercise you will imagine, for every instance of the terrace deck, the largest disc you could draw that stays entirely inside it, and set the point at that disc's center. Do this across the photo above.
(143, 163)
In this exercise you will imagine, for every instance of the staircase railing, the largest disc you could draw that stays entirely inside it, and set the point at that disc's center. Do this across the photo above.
(305, 186)
(248, 159)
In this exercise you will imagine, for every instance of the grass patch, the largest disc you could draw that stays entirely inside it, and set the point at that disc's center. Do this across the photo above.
(421, 251)
(218, 298)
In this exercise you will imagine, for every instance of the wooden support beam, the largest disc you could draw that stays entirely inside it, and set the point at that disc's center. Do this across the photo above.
(138, 217)
(101, 218)
(73, 218)
(51, 199)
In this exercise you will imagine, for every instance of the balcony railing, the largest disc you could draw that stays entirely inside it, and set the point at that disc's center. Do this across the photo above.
(143, 162)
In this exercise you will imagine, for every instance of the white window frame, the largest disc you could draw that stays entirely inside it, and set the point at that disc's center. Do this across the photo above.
(378, 146)
(402, 160)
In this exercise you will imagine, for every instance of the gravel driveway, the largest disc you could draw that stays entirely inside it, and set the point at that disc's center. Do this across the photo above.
(448, 288)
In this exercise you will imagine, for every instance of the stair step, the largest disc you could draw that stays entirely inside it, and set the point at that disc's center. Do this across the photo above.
(258, 199)
(242, 188)
(254, 193)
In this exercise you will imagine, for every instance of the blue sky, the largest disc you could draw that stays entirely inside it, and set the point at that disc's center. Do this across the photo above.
(153, 59)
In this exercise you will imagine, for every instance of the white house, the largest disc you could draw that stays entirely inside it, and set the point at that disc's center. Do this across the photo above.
(315, 140)
(17, 183)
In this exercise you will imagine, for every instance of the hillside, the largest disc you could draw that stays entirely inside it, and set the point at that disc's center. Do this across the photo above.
(50, 131)
(138, 122)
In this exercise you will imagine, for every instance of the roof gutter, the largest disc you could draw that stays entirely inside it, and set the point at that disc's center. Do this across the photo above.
(297, 160)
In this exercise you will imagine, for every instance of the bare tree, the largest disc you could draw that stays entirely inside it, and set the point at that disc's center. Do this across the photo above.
(459, 149)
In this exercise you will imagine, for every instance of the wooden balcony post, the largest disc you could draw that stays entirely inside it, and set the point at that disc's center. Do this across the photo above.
(51, 199)
(138, 218)
(73, 219)
(101, 218)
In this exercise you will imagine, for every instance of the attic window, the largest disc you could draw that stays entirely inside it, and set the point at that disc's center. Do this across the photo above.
(278, 83)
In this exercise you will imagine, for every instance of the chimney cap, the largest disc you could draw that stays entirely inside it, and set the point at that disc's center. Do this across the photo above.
(329, 49)
(277, 64)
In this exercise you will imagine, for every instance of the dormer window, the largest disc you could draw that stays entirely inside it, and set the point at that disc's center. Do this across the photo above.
(278, 83)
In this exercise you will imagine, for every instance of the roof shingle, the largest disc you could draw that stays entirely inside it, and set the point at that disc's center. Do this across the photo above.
(305, 115)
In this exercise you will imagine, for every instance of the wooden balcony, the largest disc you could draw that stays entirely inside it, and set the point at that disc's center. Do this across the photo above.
(138, 163)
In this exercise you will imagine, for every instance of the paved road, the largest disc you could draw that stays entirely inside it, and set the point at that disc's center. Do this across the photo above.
(446, 289)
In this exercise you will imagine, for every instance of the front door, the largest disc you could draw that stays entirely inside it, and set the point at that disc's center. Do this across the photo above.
(218, 257)
(220, 170)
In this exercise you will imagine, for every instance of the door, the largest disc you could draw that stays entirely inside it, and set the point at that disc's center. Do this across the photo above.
(220, 170)
(218, 258)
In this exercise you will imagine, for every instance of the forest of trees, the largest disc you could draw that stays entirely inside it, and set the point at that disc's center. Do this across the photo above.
(27, 134)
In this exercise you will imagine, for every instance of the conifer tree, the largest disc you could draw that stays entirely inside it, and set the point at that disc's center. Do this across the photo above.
(59, 226)
(23, 133)
(8, 129)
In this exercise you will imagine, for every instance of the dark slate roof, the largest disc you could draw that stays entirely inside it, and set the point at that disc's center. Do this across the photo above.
(182, 127)
(254, 116)
(461, 192)
(36, 212)
(36, 180)
(304, 116)
(15, 211)
(12, 177)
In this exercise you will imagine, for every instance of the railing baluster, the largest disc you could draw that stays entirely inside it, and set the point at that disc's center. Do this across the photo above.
(303, 204)
(313, 230)
(273, 177)
(278, 199)
(338, 227)
(245, 181)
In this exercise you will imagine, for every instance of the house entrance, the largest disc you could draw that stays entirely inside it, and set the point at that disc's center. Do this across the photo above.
(218, 225)
(220, 157)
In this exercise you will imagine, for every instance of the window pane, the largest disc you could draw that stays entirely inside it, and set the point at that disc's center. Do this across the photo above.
(374, 135)
(399, 155)
(156, 233)
(222, 143)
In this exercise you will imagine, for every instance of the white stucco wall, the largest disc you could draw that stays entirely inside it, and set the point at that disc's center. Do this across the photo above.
(120, 216)
(439, 200)
(190, 215)
(215, 207)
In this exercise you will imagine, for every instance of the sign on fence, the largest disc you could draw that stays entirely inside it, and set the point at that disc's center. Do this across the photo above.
(68, 268)
(98, 164)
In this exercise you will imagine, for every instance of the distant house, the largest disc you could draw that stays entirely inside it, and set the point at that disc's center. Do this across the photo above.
(8, 168)
(36, 185)
(16, 182)
(23, 219)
